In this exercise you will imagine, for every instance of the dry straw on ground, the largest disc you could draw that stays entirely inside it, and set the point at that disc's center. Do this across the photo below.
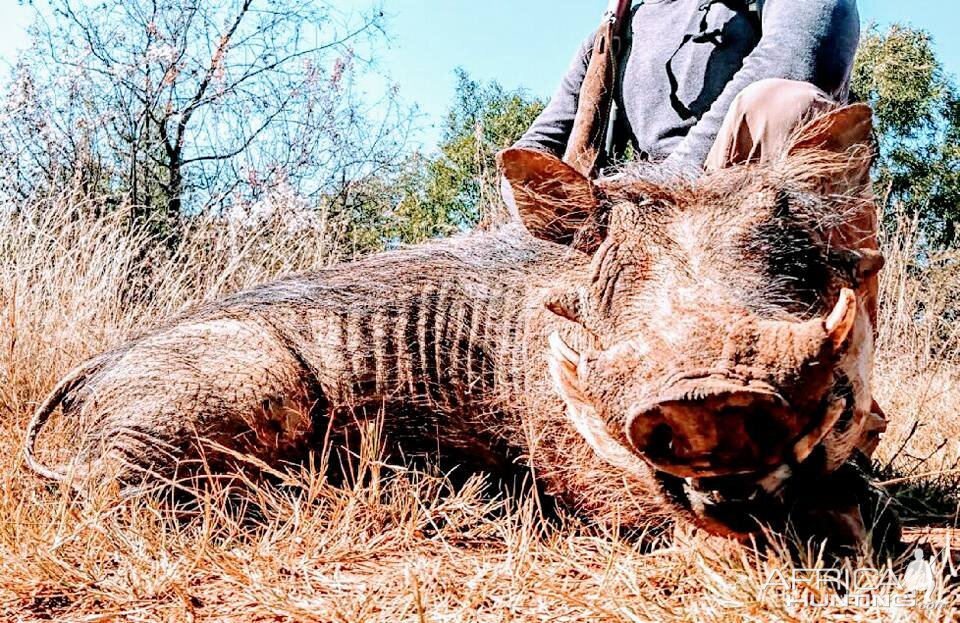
(391, 544)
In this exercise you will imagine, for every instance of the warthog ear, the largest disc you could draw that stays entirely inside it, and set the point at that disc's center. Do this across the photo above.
(555, 202)
(846, 131)
(832, 155)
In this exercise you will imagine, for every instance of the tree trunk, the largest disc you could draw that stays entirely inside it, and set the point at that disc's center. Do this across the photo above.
(175, 188)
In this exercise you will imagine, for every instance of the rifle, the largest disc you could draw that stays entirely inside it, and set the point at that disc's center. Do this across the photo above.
(595, 103)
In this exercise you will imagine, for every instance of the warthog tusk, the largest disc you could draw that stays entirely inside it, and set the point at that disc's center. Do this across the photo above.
(582, 415)
(804, 448)
(840, 321)
(562, 351)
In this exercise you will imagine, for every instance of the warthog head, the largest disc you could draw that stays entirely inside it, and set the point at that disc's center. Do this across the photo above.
(721, 332)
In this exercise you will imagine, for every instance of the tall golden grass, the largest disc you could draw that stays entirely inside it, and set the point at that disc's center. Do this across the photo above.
(392, 543)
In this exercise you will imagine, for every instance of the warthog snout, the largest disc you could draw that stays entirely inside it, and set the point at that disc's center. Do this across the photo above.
(710, 427)
(720, 424)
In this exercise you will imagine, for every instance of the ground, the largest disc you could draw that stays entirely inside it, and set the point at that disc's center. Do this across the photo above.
(393, 544)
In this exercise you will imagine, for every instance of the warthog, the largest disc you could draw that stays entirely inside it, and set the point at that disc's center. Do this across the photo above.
(644, 345)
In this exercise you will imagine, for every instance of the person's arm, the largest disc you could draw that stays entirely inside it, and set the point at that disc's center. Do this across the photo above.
(551, 130)
(805, 40)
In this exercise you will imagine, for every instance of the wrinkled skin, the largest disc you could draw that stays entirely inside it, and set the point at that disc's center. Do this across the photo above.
(725, 331)
(651, 348)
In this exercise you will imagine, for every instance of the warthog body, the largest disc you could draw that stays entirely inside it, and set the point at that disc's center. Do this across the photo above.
(642, 345)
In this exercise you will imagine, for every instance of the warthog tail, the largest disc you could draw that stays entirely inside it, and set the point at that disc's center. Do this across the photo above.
(43, 413)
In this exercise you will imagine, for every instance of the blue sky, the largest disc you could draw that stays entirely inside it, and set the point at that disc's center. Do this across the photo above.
(521, 43)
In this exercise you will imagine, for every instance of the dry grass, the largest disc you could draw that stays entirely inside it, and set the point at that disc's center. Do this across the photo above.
(392, 544)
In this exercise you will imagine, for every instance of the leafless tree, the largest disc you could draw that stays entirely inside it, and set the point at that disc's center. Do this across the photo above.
(189, 105)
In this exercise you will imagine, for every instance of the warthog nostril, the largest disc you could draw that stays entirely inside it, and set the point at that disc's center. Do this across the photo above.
(660, 442)
(763, 429)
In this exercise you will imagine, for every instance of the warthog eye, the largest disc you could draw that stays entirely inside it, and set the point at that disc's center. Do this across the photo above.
(796, 270)
(857, 265)
(566, 305)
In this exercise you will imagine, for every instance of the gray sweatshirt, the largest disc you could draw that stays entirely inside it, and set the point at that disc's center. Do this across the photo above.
(688, 59)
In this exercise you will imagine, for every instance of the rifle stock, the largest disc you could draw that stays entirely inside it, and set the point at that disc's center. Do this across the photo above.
(587, 139)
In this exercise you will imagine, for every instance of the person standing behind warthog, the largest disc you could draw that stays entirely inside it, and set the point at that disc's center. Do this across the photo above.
(706, 84)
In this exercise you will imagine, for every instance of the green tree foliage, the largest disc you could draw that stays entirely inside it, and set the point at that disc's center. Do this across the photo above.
(384, 211)
(484, 119)
(449, 191)
(918, 127)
